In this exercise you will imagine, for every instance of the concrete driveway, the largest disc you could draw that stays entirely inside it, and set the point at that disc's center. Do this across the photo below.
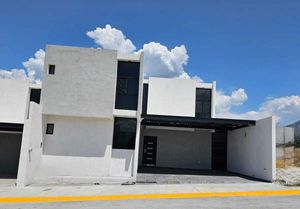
(157, 175)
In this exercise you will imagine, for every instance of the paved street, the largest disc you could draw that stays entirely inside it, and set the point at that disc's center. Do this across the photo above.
(290, 202)
(254, 195)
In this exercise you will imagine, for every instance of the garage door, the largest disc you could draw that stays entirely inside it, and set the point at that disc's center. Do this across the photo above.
(10, 145)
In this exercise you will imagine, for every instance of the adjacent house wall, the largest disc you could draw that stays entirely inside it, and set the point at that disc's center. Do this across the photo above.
(175, 97)
(285, 135)
(180, 149)
(285, 150)
(251, 150)
(13, 100)
(84, 82)
(31, 148)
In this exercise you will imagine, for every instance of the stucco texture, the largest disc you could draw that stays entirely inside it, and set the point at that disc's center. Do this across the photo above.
(84, 82)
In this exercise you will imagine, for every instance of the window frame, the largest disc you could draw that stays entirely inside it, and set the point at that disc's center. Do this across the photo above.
(132, 86)
(51, 70)
(201, 102)
(50, 129)
(130, 145)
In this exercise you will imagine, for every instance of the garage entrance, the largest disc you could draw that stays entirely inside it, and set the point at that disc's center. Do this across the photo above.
(10, 147)
(186, 150)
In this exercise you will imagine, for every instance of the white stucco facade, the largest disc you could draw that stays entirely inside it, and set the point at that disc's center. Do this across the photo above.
(84, 82)
(79, 100)
(171, 97)
(13, 103)
(252, 150)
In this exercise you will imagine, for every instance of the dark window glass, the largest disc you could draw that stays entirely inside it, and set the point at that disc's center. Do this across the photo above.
(203, 103)
(124, 133)
(35, 95)
(127, 85)
(51, 69)
(145, 99)
(50, 128)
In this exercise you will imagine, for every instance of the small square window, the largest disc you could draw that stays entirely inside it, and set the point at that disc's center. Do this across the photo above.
(51, 69)
(50, 128)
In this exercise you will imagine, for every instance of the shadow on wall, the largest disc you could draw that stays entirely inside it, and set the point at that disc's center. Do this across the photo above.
(126, 155)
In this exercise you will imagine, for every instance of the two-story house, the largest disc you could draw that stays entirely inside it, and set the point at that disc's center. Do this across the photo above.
(99, 121)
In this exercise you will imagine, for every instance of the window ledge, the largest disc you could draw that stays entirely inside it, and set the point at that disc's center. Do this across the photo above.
(125, 113)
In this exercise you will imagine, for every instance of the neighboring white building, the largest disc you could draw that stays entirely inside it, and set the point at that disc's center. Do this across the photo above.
(98, 121)
(14, 102)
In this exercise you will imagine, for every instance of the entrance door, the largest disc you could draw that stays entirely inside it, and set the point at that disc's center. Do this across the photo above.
(219, 150)
(149, 151)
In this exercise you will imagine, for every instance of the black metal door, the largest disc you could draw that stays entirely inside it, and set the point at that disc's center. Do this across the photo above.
(219, 150)
(149, 151)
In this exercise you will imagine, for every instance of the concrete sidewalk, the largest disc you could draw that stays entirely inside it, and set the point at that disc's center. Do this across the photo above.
(98, 190)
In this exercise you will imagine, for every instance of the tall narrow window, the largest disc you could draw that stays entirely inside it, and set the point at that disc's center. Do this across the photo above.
(51, 69)
(50, 128)
(124, 133)
(127, 85)
(203, 103)
(35, 95)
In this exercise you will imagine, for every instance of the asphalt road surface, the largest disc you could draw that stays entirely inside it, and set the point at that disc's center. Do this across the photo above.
(275, 202)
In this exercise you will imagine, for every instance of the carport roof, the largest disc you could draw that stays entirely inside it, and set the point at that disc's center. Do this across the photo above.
(192, 122)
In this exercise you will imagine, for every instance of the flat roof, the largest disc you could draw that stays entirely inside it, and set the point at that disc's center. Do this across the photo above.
(192, 122)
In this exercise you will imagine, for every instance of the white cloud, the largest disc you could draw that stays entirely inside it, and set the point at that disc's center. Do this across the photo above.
(159, 61)
(16, 74)
(111, 38)
(35, 65)
(224, 102)
(285, 109)
(32, 72)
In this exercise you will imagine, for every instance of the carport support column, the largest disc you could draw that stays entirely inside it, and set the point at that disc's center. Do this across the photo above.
(138, 120)
(136, 150)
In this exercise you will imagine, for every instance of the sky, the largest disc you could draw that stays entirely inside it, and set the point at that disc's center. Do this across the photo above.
(251, 48)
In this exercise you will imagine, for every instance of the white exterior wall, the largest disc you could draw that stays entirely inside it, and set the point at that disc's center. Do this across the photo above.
(251, 150)
(31, 149)
(180, 149)
(79, 100)
(171, 97)
(13, 100)
(121, 162)
(84, 82)
(79, 136)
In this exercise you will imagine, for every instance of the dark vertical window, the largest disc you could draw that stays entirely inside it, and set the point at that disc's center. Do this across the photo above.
(124, 133)
(145, 98)
(127, 85)
(203, 103)
(51, 69)
(50, 128)
(35, 95)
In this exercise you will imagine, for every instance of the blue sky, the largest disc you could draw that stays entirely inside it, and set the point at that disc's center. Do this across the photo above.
(254, 45)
